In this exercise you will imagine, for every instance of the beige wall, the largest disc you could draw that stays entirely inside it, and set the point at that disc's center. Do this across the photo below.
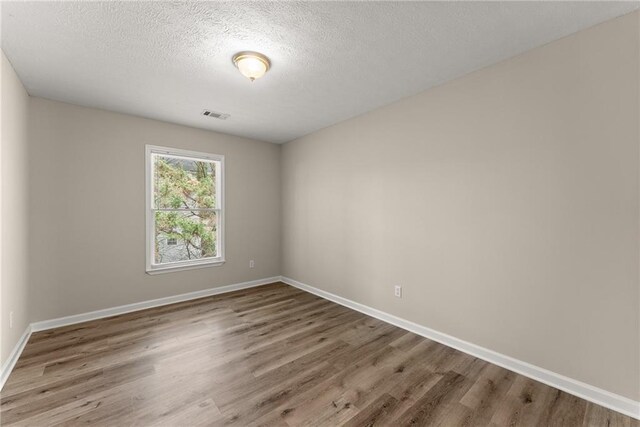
(506, 203)
(14, 261)
(88, 212)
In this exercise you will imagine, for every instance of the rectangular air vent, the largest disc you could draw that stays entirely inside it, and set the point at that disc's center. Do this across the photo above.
(215, 115)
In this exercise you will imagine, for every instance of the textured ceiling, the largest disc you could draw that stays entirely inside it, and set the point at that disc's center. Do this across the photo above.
(330, 60)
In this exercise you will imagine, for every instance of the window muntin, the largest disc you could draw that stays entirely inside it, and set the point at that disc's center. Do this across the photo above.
(184, 209)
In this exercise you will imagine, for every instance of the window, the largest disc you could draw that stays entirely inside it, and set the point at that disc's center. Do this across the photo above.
(185, 209)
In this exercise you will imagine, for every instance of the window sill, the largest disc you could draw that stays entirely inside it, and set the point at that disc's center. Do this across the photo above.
(174, 268)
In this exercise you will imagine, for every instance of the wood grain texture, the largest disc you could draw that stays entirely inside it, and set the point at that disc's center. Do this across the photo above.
(275, 356)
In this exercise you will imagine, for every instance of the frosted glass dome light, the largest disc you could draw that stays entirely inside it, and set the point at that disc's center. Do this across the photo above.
(252, 65)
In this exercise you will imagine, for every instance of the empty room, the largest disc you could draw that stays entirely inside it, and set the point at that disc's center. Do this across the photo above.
(345, 213)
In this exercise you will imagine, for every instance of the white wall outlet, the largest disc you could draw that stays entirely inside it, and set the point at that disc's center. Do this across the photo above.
(251, 264)
(397, 291)
(11, 319)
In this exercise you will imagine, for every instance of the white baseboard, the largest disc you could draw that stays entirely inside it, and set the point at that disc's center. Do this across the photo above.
(585, 391)
(128, 308)
(8, 364)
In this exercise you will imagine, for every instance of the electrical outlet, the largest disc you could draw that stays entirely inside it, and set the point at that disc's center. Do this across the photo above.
(397, 291)
(11, 319)
(252, 264)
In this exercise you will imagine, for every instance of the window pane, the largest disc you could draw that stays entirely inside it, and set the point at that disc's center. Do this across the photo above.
(185, 235)
(183, 183)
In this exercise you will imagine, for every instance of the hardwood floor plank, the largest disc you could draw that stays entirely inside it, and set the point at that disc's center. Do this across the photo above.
(269, 356)
(523, 404)
(375, 414)
(267, 394)
(407, 341)
(563, 409)
(599, 416)
(486, 394)
(431, 406)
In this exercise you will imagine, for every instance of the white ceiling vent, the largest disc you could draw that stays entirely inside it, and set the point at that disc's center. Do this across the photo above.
(215, 115)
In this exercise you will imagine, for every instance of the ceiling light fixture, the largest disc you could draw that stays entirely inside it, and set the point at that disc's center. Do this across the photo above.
(252, 65)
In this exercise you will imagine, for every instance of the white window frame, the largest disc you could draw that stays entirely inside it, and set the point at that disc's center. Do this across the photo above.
(153, 268)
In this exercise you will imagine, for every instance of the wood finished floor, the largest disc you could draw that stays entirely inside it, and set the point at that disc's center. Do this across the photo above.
(272, 355)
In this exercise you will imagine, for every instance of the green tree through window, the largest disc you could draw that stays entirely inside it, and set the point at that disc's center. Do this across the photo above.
(185, 205)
